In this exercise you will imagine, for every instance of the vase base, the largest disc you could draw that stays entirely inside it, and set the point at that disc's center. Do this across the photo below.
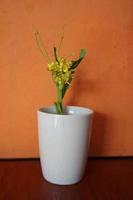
(57, 182)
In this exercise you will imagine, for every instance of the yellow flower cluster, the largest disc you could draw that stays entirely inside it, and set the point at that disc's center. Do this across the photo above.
(61, 71)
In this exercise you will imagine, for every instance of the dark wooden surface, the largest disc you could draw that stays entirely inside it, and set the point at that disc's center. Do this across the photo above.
(105, 179)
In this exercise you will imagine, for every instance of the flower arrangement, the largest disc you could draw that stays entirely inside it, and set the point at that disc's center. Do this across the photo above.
(61, 68)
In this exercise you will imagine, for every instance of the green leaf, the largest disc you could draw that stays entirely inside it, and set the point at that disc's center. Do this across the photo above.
(75, 63)
(82, 53)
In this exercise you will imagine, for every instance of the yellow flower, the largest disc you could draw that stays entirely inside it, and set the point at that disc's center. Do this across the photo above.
(61, 71)
(50, 66)
(65, 67)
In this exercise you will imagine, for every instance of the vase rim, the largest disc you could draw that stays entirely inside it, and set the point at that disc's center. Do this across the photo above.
(68, 111)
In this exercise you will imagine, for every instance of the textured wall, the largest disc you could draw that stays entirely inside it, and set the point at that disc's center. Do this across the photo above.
(104, 80)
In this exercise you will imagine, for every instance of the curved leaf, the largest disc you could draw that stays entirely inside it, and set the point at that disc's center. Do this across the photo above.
(82, 53)
(75, 63)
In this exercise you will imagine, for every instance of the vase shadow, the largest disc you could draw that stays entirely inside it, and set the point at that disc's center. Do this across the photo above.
(97, 141)
(83, 85)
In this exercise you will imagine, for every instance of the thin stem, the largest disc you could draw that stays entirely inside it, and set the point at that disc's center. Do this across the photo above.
(40, 46)
(61, 40)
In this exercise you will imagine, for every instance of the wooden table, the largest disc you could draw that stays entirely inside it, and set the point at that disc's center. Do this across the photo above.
(105, 179)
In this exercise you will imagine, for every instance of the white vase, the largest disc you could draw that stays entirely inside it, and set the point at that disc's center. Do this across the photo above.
(63, 143)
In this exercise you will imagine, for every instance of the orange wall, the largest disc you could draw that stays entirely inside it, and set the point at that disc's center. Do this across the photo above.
(103, 82)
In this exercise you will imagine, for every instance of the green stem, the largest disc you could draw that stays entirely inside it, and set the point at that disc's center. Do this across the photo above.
(55, 55)
(58, 104)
